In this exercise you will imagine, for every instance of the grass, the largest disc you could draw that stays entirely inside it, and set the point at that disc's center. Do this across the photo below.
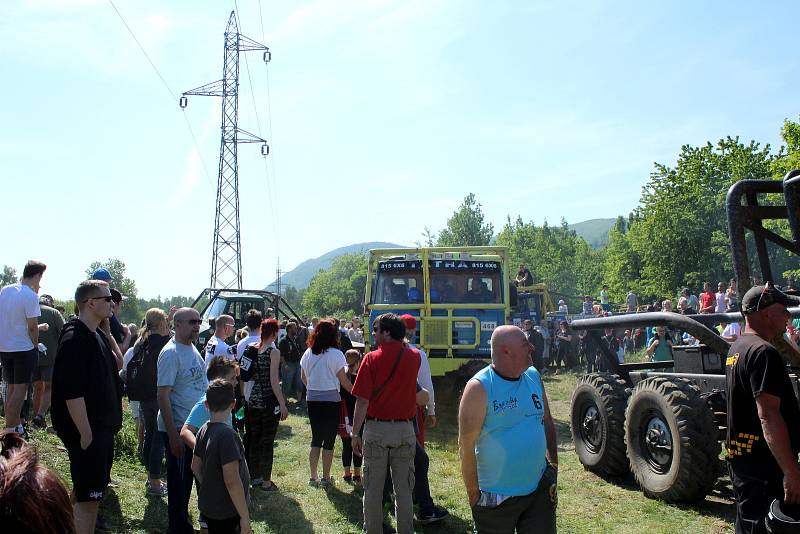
(587, 503)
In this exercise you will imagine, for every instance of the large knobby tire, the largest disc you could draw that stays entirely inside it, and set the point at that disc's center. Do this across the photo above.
(671, 439)
(597, 417)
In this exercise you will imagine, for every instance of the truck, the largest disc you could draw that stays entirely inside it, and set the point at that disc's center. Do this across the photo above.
(664, 421)
(458, 295)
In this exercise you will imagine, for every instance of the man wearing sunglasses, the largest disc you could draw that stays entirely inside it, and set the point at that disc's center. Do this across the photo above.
(763, 415)
(87, 399)
(181, 383)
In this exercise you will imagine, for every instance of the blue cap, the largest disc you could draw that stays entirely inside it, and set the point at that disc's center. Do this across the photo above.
(102, 274)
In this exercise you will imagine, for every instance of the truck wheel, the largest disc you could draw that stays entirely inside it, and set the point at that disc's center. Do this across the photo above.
(671, 439)
(597, 422)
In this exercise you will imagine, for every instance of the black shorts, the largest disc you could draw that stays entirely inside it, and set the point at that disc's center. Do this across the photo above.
(18, 366)
(91, 469)
(42, 373)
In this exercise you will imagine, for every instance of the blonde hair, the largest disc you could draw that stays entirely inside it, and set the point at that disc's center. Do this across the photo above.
(352, 356)
(152, 318)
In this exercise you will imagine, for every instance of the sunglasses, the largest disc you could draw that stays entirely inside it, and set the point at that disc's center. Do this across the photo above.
(193, 322)
(106, 298)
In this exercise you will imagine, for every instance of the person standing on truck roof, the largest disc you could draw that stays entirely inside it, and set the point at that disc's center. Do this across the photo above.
(507, 442)
(763, 438)
(216, 346)
(524, 276)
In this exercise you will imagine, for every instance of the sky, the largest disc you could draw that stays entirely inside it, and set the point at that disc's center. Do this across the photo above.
(381, 117)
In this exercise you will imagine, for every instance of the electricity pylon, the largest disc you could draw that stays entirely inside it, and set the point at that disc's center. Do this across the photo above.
(226, 259)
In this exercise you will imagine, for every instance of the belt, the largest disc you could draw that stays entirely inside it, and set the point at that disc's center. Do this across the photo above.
(389, 420)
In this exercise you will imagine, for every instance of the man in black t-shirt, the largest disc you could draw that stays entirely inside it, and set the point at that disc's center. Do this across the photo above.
(87, 400)
(763, 415)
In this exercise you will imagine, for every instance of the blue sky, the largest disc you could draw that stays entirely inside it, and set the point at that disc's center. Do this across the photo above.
(381, 117)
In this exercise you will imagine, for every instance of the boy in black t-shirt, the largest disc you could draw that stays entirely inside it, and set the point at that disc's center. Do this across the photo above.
(763, 415)
(219, 466)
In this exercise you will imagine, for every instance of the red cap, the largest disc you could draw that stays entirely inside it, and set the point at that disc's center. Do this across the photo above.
(411, 322)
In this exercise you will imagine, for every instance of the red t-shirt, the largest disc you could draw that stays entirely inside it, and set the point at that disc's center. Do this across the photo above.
(708, 299)
(398, 399)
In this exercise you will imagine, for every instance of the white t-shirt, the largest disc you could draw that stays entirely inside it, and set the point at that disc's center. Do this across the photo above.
(720, 302)
(217, 347)
(321, 369)
(733, 329)
(240, 348)
(425, 380)
(18, 303)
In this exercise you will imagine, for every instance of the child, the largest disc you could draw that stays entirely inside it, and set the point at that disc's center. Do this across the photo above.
(219, 466)
(353, 358)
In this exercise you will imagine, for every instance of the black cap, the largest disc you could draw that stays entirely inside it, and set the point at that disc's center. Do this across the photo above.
(116, 296)
(759, 297)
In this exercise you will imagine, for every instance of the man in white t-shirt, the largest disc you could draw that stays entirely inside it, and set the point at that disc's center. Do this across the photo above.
(732, 332)
(19, 338)
(216, 346)
(721, 307)
(424, 375)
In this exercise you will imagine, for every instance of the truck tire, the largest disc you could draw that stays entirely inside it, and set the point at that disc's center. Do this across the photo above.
(597, 417)
(671, 439)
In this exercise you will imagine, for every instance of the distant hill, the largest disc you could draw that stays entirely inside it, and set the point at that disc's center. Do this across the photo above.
(594, 231)
(301, 275)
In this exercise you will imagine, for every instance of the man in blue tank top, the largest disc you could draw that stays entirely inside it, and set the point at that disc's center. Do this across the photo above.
(507, 442)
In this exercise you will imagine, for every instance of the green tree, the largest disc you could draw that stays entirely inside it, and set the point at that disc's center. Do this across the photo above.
(465, 228)
(130, 311)
(339, 290)
(294, 297)
(9, 276)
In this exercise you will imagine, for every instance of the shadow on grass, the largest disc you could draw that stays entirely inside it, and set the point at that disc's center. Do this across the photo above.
(348, 504)
(281, 513)
(154, 519)
(111, 510)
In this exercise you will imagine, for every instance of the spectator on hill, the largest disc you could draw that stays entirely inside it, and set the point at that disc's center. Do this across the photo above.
(385, 392)
(141, 380)
(353, 358)
(562, 307)
(87, 400)
(509, 453)
(708, 299)
(291, 353)
(43, 372)
(266, 406)
(587, 305)
(605, 303)
(19, 339)
(732, 297)
(322, 371)
(631, 301)
(219, 466)
(719, 297)
(181, 383)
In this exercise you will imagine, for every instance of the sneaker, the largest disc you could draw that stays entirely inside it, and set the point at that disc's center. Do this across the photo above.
(348, 478)
(313, 482)
(326, 482)
(268, 486)
(437, 514)
(39, 422)
(161, 491)
(256, 482)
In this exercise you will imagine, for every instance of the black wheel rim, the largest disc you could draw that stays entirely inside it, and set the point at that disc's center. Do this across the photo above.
(656, 442)
(591, 433)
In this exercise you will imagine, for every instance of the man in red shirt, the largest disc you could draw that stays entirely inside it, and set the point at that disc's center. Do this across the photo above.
(708, 300)
(385, 392)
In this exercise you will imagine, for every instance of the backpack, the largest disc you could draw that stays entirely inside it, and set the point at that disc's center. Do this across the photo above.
(141, 374)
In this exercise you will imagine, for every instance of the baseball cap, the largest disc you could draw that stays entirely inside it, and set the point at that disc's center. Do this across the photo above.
(102, 274)
(47, 300)
(759, 297)
(410, 321)
(116, 296)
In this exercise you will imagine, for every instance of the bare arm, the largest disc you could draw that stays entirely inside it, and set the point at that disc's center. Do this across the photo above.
(422, 397)
(165, 407)
(359, 414)
(188, 436)
(550, 432)
(275, 382)
(77, 411)
(105, 326)
(471, 414)
(344, 381)
(233, 483)
(776, 434)
(33, 330)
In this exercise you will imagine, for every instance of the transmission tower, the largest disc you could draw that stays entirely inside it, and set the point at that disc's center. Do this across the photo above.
(226, 258)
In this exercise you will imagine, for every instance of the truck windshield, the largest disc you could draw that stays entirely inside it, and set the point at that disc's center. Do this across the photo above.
(451, 283)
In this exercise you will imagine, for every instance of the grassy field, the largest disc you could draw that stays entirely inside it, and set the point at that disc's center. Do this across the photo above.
(587, 503)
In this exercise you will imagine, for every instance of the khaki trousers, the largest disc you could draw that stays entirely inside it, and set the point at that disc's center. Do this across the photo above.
(388, 445)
